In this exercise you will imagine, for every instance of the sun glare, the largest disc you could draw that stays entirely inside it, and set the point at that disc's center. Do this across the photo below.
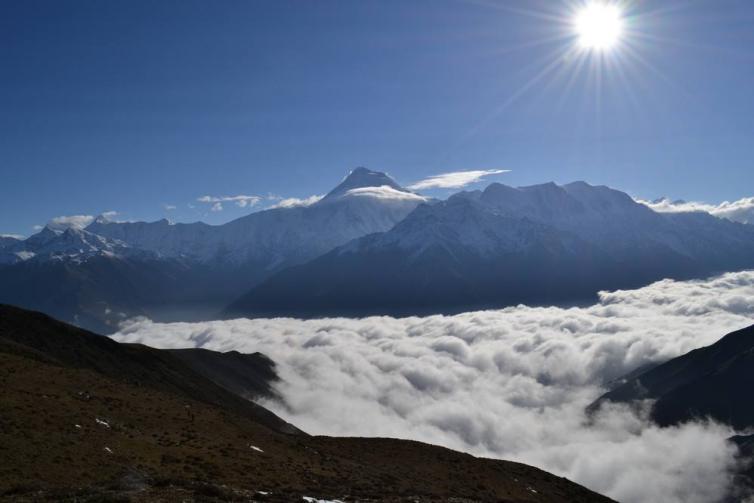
(599, 26)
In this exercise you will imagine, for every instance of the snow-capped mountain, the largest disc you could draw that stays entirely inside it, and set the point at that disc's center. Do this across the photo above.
(502, 246)
(365, 202)
(109, 270)
(71, 244)
(369, 246)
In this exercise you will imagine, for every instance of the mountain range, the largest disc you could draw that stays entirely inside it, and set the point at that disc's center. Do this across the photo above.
(96, 276)
(87, 419)
(503, 246)
(369, 246)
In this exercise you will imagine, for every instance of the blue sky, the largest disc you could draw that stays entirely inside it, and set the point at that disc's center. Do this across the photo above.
(132, 106)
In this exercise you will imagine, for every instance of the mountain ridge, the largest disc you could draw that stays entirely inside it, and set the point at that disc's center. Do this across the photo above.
(503, 246)
(711, 382)
(109, 270)
(75, 431)
(488, 248)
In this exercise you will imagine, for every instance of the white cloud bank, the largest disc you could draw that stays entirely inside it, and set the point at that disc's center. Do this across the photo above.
(510, 383)
(456, 179)
(737, 211)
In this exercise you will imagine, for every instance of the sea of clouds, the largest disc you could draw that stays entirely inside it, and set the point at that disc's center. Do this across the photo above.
(510, 383)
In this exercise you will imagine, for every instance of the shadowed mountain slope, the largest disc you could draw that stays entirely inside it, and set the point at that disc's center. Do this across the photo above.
(73, 429)
(503, 246)
(715, 382)
(247, 375)
(36, 335)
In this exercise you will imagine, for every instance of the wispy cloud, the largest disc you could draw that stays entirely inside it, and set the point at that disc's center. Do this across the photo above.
(169, 207)
(74, 221)
(385, 192)
(12, 236)
(291, 202)
(737, 211)
(456, 179)
(70, 221)
(241, 201)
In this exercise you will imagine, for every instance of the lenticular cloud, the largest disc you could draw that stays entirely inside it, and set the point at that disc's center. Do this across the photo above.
(510, 383)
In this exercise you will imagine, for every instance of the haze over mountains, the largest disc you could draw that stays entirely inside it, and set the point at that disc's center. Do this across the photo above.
(369, 246)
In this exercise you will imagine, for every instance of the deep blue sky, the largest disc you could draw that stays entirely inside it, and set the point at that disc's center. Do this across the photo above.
(131, 105)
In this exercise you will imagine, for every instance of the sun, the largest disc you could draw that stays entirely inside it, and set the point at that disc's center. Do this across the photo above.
(599, 25)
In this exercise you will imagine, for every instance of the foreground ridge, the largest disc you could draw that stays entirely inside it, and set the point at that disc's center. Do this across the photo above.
(73, 432)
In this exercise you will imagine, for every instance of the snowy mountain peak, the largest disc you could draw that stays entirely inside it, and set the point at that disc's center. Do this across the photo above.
(102, 219)
(361, 178)
(550, 201)
(72, 244)
(45, 235)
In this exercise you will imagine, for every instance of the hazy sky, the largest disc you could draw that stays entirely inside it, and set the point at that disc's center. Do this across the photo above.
(131, 106)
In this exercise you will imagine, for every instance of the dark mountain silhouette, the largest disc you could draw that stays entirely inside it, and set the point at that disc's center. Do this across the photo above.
(712, 382)
(247, 375)
(83, 418)
(36, 335)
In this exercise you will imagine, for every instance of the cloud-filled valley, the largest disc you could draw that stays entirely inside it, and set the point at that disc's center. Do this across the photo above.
(510, 383)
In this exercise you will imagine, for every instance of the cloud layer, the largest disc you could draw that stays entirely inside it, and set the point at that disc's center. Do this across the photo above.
(510, 383)
(290, 202)
(385, 192)
(75, 221)
(455, 180)
(737, 211)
